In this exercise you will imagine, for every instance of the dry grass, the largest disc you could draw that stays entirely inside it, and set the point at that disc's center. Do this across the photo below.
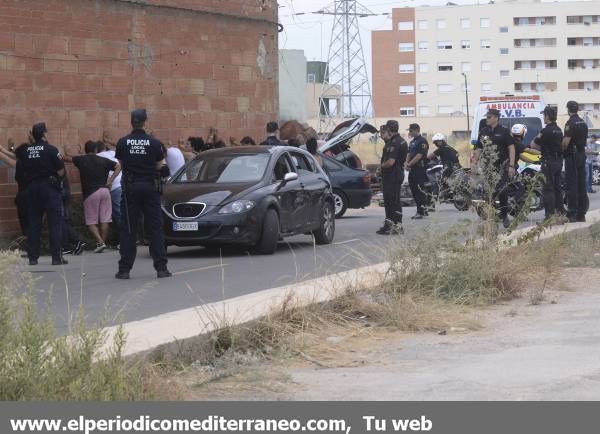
(36, 363)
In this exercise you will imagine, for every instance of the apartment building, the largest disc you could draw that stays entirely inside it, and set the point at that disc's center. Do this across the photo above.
(422, 67)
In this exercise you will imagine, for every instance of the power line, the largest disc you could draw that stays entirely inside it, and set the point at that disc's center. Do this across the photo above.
(346, 70)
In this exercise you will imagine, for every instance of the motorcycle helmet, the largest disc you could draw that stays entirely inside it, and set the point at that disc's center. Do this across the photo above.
(518, 130)
(438, 137)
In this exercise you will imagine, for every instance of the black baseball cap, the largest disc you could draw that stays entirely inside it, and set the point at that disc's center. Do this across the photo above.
(549, 110)
(392, 126)
(139, 116)
(38, 130)
(493, 112)
(414, 127)
(573, 106)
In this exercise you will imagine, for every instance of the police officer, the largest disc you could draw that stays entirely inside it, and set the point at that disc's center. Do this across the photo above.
(573, 146)
(42, 170)
(392, 173)
(143, 160)
(498, 139)
(549, 142)
(415, 164)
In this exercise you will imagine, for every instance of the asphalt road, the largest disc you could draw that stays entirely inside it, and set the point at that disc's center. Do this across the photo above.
(209, 275)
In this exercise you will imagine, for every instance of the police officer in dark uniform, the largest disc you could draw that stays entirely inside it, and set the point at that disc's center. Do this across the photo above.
(418, 149)
(142, 159)
(392, 174)
(502, 143)
(42, 170)
(573, 146)
(549, 142)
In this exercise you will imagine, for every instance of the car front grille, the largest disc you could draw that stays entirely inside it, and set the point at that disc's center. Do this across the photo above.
(188, 210)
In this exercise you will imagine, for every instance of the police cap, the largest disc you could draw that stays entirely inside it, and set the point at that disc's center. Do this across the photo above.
(38, 130)
(392, 126)
(550, 111)
(139, 116)
(414, 127)
(573, 106)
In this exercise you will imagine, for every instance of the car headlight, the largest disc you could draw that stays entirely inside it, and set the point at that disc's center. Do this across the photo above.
(237, 207)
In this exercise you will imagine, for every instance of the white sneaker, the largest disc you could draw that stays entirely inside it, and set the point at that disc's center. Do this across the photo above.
(100, 248)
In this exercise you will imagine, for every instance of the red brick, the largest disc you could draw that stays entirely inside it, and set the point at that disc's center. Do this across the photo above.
(7, 41)
(78, 100)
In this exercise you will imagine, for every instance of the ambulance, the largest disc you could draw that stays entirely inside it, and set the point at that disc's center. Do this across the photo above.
(514, 109)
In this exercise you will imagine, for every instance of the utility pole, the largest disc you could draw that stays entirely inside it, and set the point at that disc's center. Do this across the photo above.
(346, 77)
(467, 100)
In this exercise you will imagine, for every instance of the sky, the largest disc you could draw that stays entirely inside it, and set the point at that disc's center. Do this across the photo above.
(311, 33)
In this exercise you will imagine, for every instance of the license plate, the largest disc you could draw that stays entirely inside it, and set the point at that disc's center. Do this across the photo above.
(185, 226)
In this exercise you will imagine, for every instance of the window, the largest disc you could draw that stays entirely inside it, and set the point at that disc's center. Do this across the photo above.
(465, 23)
(281, 168)
(407, 111)
(571, 41)
(486, 87)
(445, 67)
(465, 44)
(423, 24)
(484, 23)
(407, 90)
(465, 66)
(444, 45)
(445, 109)
(486, 66)
(407, 68)
(504, 29)
(406, 25)
(225, 169)
(485, 43)
(423, 88)
(423, 67)
(503, 51)
(445, 88)
(423, 45)
(424, 110)
(302, 163)
(588, 42)
(406, 47)
(504, 73)
(312, 78)
(441, 24)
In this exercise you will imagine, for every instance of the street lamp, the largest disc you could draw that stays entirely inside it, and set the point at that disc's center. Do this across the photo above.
(467, 99)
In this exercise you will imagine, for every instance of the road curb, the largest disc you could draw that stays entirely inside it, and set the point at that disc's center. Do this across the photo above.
(149, 333)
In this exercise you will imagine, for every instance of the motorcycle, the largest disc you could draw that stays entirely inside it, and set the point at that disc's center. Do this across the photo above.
(523, 187)
(451, 189)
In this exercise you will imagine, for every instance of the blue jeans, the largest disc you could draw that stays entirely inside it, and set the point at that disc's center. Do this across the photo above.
(589, 167)
(115, 197)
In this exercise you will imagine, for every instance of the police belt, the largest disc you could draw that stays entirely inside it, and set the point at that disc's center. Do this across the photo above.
(132, 178)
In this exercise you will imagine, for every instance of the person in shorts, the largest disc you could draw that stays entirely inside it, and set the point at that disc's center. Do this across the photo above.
(96, 186)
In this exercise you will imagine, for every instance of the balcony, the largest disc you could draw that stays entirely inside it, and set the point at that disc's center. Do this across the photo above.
(534, 21)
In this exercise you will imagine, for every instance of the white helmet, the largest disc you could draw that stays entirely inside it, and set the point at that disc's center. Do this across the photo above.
(438, 137)
(518, 130)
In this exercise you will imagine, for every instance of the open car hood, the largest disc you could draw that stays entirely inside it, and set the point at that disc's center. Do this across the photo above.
(345, 132)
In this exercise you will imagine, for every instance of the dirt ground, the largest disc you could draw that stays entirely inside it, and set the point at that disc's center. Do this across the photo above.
(511, 351)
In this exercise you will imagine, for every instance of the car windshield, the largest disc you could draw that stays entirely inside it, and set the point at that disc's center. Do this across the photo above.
(221, 169)
(534, 126)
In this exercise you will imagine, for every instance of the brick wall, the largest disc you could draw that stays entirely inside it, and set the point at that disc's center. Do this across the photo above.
(82, 65)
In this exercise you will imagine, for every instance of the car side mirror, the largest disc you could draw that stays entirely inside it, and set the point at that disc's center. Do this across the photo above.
(289, 177)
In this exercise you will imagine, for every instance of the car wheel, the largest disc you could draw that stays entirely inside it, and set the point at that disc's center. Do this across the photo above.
(462, 202)
(270, 234)
(326, 232)
(596, 175)
(341, 203)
